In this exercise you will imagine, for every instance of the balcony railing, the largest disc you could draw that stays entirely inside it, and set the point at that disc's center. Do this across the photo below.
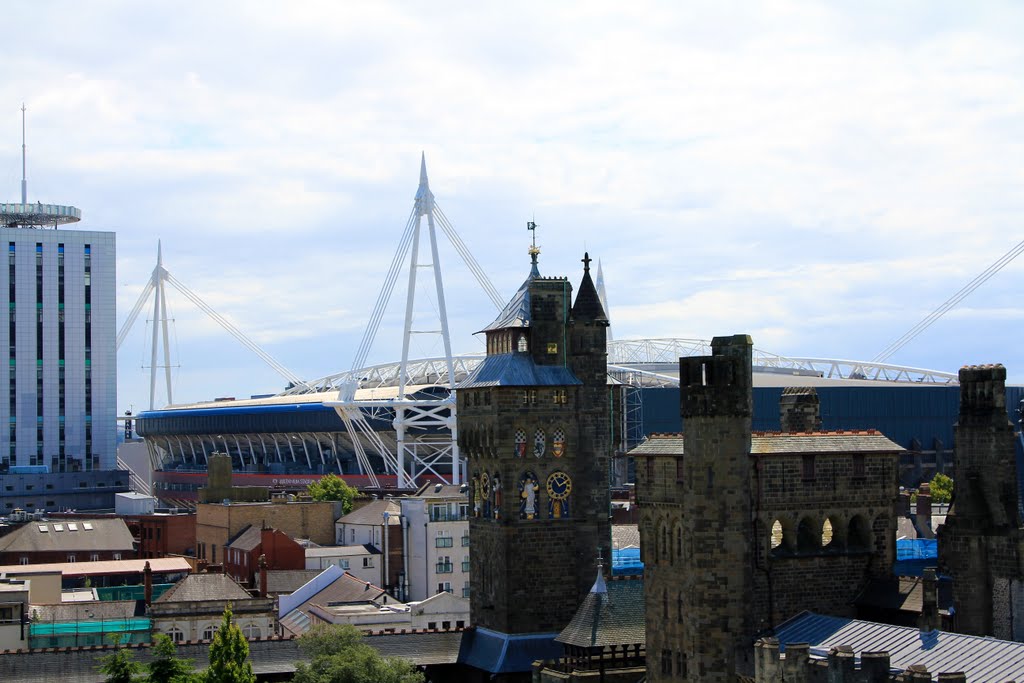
(445, 567)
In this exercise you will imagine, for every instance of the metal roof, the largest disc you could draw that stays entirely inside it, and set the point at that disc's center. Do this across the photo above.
(983, 660)
(517, 311)
(157, 564)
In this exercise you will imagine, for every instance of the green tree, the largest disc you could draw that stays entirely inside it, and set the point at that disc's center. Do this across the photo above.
(338, 655)
(942, 488)
(166, 666)
(229, 655)
(333, 487)
(120, 665)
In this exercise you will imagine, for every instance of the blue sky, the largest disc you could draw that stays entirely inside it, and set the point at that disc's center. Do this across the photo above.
(818, 175)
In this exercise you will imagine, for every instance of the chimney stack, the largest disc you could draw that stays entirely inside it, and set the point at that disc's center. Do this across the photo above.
(799, 410)
(262, 562)
(929, 601)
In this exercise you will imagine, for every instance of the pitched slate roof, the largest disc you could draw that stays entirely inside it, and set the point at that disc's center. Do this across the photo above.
(198, 587)
(96, 610)
(289, 580)
(625, 536)
(79, 535)
(517, 370)
(247, 539)
(422, 649)
(612, 613)
(517, 311)
(341, 551)
(785, 443)
(432, 490)
(373, 513)
(984, 660)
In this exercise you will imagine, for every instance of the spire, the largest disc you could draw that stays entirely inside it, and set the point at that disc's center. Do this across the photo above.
(588, 303)
(599, 584)
(603, 294)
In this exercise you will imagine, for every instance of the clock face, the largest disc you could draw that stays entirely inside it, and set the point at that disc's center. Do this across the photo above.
(559, 485)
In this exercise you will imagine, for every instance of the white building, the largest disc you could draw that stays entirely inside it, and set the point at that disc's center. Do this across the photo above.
(436, 523)
(61, 374)
(361, 561)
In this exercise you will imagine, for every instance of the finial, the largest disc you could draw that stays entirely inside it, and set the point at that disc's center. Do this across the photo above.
(586, 262)
(599, 584)
(534, 249)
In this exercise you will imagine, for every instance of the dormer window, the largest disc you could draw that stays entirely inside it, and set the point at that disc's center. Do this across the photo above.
(522, 346)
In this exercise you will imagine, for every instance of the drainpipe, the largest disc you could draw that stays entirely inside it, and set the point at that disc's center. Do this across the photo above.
(405, 556)
(384, 533)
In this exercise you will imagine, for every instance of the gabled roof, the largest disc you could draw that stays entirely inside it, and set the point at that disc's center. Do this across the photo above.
(517, 370)
(373, 513)
(984, 660)
(612, 613)
(199, 587)
(248, 539)
(289, 580)
(517, 311)
(78, 535)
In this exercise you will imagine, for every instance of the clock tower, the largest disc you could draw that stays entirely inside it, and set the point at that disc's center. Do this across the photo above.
(534, 422)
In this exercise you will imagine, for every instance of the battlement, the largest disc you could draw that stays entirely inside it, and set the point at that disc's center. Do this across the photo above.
(982, 389)
(839, 666)
(719, 384)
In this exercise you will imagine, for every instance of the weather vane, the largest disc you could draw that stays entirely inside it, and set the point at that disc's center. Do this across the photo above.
(532, 227)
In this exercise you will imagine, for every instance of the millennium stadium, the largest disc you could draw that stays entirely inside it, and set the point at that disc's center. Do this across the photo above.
(392, 426)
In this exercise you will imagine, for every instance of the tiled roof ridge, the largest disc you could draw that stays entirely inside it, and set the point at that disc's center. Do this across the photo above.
(831, 432)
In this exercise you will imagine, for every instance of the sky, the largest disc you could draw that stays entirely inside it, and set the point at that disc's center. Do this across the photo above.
(820, 176)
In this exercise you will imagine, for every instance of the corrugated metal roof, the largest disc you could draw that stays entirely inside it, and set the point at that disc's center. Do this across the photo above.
(983, 660)
(517, 370)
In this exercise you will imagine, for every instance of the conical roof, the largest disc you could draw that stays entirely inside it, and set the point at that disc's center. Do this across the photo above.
(588, 301)
(517, 311)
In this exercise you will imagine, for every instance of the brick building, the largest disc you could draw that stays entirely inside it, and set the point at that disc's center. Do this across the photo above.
(982, 541)
(742, 530)
(278, 550)
(217, 523)
(533, 420)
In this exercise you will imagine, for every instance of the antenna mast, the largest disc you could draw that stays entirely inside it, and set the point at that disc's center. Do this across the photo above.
(24, 182)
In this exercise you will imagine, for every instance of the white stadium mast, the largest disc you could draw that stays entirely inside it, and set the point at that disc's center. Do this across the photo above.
(425, 427)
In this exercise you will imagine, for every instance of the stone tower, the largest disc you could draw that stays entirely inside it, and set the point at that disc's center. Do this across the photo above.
(534, 423)
(982, 542)
(696, 522)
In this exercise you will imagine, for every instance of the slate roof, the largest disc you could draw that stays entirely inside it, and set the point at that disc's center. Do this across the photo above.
(341, 551)
(346, 588)
(785, 443)
(199, 587)
(612, 613)
(625, 536)
(904, 593)
(373, 513)
(517, 311)
(247, 540)
(79, 535)
(432, 490)
(289, 580)
(423, 649)
(588, 303)
(983, 660)
(517, 370)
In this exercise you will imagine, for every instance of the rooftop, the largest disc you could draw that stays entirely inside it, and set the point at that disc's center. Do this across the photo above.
(157, 564)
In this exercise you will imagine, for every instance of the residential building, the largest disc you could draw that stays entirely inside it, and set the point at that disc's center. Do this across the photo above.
(436, 520)
(79, 540)
(365, 562)
(366, 525)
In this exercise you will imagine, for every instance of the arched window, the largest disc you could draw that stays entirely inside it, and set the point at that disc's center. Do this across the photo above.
(679, 542)
(679, 607)
(833, 534)
(666, 553)
(777, 535)
(521, 346)
(826, 533)
(808, 538)
(175, 634)
(209, 631)
(251, 631)
(664, 604)
(859, 535)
